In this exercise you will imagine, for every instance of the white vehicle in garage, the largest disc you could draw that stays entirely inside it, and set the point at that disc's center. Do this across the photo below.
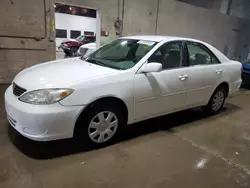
(86, 49)
(126, 81)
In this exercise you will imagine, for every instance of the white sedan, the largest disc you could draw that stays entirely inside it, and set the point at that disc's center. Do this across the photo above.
(86, 49)
(126, 81)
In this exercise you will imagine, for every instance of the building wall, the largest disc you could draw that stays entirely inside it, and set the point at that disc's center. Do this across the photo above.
(181, 19)
(24, 36)
(140, 17)
(240, 9)
(27, 30)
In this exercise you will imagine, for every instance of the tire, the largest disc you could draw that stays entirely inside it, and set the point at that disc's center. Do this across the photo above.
(89, 123)
(219, 97)
(67, 52)
(73, 51)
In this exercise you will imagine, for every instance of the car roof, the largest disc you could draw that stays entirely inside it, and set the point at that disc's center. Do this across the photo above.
(158, 38)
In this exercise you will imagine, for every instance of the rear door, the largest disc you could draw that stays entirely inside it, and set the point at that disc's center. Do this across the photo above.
(204, 73)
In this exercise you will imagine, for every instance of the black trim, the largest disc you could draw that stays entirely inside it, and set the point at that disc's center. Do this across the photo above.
(17, 90)
(185, 55)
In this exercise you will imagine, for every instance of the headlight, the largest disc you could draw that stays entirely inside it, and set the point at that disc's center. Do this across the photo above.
(45, 96)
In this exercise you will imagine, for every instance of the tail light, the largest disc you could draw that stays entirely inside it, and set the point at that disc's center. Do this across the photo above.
(241, 68)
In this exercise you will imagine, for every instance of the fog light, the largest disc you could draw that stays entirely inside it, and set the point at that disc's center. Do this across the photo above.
(33, 132)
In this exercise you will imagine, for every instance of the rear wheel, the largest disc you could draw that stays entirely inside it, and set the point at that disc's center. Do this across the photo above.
(216, 102)
(100, 125)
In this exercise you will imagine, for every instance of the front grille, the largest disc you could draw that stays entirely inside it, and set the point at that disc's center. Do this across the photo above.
(83, 51)
(17, 90)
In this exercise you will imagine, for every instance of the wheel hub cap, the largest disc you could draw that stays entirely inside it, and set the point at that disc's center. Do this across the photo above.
(218, 100)
(103, 127)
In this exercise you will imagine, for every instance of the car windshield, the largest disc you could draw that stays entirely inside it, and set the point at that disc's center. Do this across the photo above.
(121, 54)
(80, 38)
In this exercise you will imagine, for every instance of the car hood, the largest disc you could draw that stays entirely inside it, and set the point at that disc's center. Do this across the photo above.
(60, 74)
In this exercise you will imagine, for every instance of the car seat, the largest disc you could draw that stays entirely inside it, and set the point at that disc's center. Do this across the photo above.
(171, 59)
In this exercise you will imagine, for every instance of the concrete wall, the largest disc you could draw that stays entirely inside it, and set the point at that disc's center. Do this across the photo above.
(181, 19)
(24, 36)
(240, 9)
(140, 17)
(201, 3)
(27, 27)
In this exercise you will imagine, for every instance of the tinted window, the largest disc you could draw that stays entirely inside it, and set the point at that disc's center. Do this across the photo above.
(169, 55)
(74, 34)
(80, 38)
(199, 55)
(61, 33)
(90, 39)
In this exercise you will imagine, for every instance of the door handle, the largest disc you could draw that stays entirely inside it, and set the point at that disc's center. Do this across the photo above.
(219, 71)
(183, 77)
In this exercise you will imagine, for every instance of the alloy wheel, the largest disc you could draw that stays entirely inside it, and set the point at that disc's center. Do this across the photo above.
(218, 100)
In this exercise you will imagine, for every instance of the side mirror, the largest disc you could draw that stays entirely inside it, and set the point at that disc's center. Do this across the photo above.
(151, 67)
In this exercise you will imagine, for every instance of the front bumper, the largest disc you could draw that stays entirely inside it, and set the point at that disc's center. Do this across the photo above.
(65, 48)
(41, 122)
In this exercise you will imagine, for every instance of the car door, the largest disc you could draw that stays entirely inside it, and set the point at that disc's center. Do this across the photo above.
(204, 73)
(158, 93)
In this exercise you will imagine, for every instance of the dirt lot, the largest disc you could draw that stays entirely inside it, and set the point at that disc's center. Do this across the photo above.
(184, 149)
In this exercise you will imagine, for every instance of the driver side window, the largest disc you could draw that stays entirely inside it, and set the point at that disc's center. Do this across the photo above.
(169, 55)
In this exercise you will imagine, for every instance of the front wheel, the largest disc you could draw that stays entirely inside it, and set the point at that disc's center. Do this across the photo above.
(73, 51)
(216, 102)
(100, 125)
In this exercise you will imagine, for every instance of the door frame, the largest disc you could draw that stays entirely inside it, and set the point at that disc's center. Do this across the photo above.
(98, 20)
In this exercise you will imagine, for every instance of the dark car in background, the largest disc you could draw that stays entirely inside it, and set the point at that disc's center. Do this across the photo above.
(71, 46)
(246, 71)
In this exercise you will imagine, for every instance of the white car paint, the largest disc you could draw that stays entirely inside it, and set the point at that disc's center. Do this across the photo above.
(145, 95)
(86, 49)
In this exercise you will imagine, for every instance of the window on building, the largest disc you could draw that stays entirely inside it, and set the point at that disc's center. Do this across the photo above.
(61, 33)
(89, 33)
(74, 34)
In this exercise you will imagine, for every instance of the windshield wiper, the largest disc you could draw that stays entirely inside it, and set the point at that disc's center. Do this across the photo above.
(103, 64)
